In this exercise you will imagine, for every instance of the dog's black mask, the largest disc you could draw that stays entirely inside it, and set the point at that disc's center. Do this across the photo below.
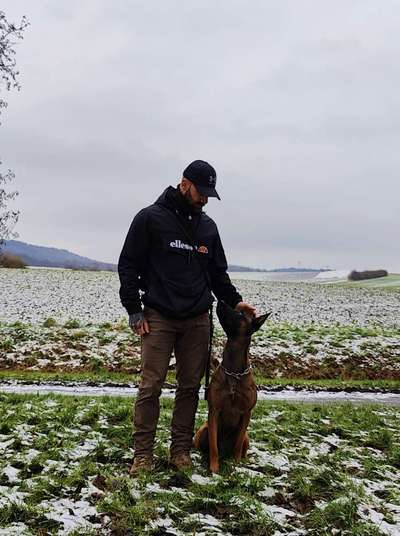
(235, 323)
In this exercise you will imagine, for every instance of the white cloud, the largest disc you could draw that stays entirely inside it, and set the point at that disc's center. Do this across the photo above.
(294, 103)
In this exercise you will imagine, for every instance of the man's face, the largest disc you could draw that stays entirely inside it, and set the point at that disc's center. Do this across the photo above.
(194, 198)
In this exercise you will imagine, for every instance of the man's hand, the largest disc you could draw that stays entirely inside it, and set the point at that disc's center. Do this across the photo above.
(246, 308)
(139, 324)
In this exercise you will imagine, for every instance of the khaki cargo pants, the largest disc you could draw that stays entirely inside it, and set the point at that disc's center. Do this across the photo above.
(189, 340)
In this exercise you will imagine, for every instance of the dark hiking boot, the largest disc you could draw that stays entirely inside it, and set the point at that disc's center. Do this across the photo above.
(181, 461)
(142, 462)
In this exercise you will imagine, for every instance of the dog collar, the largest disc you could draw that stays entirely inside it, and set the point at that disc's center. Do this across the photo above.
(236, 375)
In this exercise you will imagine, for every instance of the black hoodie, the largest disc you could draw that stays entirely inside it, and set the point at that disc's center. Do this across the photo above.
(158, 259)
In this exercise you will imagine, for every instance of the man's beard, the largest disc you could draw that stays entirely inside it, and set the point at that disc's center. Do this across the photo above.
(196, 207)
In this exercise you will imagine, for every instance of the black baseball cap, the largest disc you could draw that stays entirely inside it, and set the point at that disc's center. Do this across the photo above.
(203, 175)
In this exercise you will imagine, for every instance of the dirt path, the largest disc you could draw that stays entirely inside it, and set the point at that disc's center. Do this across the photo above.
(288, 394)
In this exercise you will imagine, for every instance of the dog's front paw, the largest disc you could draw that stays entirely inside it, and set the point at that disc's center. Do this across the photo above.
(214, 467)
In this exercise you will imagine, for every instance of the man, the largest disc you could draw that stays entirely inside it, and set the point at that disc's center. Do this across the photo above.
(173, 254)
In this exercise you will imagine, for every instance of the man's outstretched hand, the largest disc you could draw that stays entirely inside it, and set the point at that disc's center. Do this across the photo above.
(246, 308)
(139, 324)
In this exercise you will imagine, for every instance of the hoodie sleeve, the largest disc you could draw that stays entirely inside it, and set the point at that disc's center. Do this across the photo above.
(132, 262)
(221, 283)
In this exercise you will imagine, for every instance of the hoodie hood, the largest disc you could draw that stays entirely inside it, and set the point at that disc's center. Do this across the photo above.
(173, 199)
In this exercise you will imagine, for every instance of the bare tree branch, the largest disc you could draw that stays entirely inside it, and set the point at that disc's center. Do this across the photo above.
(10, 33)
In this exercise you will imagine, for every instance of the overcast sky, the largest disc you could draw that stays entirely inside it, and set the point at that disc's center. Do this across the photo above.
(295, 103)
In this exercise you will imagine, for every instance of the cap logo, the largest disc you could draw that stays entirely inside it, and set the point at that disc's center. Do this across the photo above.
(202, 249)
(212, 181)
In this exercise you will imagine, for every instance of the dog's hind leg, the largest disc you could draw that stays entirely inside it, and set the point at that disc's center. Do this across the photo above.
(200, 440)
(245, 445)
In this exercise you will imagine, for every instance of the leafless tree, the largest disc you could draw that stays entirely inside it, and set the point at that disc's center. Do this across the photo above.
(10, 33)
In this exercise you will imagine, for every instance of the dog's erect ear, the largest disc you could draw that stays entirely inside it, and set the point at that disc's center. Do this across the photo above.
(229, 318)
(258, 321)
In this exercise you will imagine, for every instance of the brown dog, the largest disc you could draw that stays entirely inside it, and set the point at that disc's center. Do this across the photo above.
(232, 393)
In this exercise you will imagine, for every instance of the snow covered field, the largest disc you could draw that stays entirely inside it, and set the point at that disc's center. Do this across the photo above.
(280, 349)
(312, 469)
(33, 295)
(66, 320)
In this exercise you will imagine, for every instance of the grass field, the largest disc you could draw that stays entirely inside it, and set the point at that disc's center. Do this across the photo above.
(281, 352)
(390, 282)
(310, 470)
(318, 470)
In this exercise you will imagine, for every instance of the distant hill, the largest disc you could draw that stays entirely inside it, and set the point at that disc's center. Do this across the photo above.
(236, 268)
(61, 258)
(54, 257)
(292, 269)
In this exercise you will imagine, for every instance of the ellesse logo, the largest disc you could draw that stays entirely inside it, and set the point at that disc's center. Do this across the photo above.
(182, 245)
